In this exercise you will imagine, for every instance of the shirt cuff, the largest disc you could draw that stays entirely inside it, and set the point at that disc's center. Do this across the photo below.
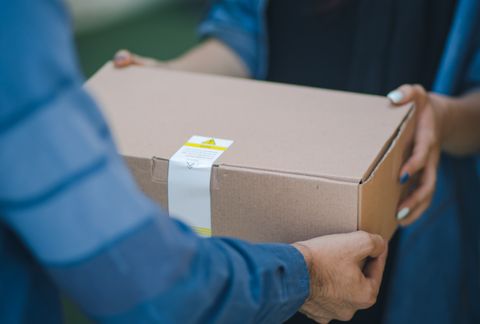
(237, 40)
(297, 277)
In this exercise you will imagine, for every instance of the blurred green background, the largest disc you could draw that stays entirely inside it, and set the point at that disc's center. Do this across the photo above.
(161, 29)
(157, 28)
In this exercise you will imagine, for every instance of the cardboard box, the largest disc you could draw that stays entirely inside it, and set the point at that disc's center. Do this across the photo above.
(305, 162)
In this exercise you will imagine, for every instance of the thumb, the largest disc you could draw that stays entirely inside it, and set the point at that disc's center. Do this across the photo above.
(369, 245)
(373, 269)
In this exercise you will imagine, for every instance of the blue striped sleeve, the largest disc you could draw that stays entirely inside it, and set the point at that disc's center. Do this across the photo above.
(68, 195)
(110, 248)
(124, 261)
(143, 278)
(238, 24)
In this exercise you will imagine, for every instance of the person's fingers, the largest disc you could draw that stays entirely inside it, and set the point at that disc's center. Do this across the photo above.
(417, 161)
(123, 58)
(373, 272)
(313, 313)
(421, 195)
(407, 93)
(401, 95)
(410, 209)
(415, 213)
(346, 314)
(423, 143)
(373, 269)
(368, 245)
(423, 137)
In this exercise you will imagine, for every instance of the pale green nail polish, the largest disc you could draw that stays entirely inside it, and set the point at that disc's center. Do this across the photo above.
(403, 213)
(395, 96)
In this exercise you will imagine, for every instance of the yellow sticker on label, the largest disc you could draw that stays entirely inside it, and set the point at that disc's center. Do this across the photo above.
(205, 232)
(209, 142)
(205, 146)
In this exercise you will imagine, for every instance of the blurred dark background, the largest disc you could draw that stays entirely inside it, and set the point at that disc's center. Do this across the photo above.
(158, 28)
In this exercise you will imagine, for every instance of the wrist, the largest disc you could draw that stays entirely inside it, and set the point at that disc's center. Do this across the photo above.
(444, 109)
(306, 253)
(308, 257)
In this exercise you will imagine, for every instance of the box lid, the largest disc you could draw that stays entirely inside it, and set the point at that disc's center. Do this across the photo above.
(275, 127)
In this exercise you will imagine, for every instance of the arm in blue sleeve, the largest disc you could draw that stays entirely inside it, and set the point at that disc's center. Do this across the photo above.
(239, 24)
(68, 195)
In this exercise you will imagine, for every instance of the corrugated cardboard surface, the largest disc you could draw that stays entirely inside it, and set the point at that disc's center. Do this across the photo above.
(299, 155)
(380, 193)
(275, 127)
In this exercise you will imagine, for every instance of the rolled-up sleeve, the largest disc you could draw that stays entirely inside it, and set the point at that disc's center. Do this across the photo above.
(239, 25)
(68, 195)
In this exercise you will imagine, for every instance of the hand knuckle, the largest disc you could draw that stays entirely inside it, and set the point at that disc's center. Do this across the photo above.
(434, 140)
(362, 235)
(346, 315)
(417, 159)
(369, 298)
(368, 302)
(369, 241)
(372, 299)
(419, 88)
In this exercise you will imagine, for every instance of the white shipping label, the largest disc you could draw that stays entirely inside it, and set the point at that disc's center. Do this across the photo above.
(189, 174)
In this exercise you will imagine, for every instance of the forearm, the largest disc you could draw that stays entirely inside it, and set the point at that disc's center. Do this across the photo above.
(230, 33)
(461, 124)
(112, 250)
(212, 57)
(68, 196)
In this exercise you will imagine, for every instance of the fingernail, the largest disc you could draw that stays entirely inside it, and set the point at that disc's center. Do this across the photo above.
(120, 58)
(395, 96)
(404, 178)
(403, 213)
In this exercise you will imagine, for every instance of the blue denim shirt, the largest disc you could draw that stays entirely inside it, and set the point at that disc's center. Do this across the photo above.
(72, 218)
(436, 276)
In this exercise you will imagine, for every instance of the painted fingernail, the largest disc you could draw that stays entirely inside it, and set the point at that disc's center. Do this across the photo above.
(120, 57)
(403, 213)
(404, 178)
(396, 96)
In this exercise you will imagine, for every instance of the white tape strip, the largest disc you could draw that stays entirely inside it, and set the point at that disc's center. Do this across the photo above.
(189, 174)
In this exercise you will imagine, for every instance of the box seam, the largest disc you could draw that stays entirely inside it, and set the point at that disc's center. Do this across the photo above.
(387, 148)
(331, 178)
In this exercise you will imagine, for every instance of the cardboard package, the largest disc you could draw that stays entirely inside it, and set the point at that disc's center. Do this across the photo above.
(305, 162)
